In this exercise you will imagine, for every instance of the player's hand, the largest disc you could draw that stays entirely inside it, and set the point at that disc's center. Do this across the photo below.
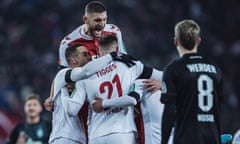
(152, 85)
(48, 104)
(127, 59)
(97, 106)
(22, 138)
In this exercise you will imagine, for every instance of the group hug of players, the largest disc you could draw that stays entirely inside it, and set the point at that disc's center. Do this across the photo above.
(121, 93)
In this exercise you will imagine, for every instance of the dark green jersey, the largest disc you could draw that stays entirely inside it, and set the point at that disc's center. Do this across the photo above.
(37, 133)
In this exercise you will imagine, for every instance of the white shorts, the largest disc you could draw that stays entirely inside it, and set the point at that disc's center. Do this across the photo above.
(115, 138)
(65, 141)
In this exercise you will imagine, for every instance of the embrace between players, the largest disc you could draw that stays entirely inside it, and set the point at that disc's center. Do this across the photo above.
(98, 71)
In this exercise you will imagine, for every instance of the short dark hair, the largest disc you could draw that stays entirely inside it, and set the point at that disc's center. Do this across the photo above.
(108, 43)
(71, 51)
(187, 32)
(107, 40)
(94, 7)
(33, 96)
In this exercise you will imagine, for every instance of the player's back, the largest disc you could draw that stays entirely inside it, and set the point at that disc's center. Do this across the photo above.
(111, 82)
(151, 110)
(198, 83)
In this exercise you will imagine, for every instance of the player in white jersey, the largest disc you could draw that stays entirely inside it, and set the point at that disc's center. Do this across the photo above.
(94, 26)
(113, 125)
(66, 127)
(151, 110)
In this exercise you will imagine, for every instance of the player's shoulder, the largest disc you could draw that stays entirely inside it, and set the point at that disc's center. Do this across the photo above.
(124, 66)
(172, 65)
(111, 28)
(80, 83)
(75, 34)
(44, 121)
(209, 61)
(61, 73)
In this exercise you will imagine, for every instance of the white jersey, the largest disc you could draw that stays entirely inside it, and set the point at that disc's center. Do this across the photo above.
(111, 82)
(236, 138)
(152, 110)
(65, 122)
(64, 125)
(78, 36)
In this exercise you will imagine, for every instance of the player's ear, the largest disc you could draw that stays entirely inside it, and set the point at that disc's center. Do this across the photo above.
(199, 40)
(175, 41)
(85, 19)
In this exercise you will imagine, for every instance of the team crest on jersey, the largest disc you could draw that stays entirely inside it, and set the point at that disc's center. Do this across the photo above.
(164, 87)
(40, 133)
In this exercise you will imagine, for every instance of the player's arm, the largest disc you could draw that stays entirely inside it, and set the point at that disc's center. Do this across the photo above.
(48, 103)
(124, 101)
(151, 73)
(75, 101)
(93, 67)
(14, 134)
(168, 119)
(153, 76)
(141, 71)
(152, 85)
(62, 48)
(121, 46)
(127, 100)
(168, 98)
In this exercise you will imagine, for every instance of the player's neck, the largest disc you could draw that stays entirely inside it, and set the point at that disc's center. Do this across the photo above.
(33, 120)
(183, 51)
(86, 31)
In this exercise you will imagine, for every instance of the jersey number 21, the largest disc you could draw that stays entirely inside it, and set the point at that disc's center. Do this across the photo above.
(109, 85)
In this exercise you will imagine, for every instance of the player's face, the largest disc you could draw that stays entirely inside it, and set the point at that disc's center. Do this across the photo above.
(83, 56)
(32, 108)
(96, 23)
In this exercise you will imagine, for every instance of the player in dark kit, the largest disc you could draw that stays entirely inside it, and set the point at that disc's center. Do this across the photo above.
(34, 130)
(191, 91)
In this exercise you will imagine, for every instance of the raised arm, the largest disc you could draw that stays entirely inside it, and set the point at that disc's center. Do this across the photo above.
(94, 66)
(89, 69)
(48, 103)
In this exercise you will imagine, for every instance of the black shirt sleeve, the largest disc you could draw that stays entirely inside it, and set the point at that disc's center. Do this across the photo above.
(14, 134)
(147, 72)
(169, 99)
(168, 86)
(168, 119)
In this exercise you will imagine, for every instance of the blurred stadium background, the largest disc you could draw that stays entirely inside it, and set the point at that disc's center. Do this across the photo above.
(30, 32)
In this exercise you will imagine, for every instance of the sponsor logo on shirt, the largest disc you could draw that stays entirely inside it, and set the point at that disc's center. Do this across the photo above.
(164, 87)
